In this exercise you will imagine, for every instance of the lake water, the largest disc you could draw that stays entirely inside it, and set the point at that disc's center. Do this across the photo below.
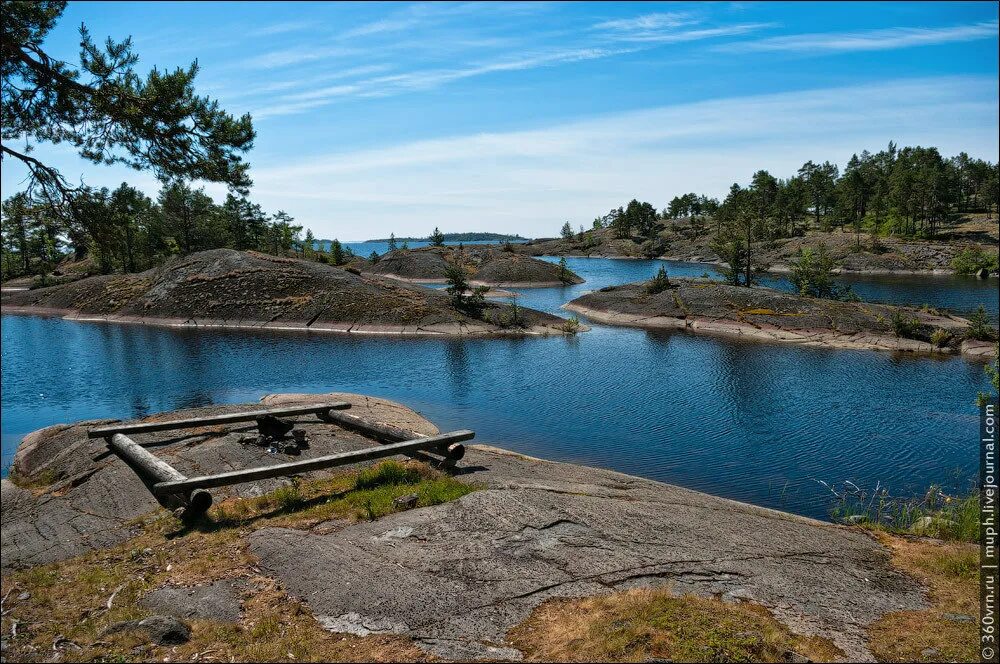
(751, 421)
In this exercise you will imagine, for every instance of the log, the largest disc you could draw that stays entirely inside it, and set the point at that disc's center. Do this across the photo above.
(245, 416)
(385, 432)
(153, 470)
(173, 486)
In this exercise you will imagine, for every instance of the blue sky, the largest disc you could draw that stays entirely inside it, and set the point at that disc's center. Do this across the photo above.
(398, 117)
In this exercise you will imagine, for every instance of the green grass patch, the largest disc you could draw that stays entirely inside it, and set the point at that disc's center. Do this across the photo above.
(933, 515)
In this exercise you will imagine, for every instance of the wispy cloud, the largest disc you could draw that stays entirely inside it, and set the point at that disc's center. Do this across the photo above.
(868, 40)
(278, 28)
(678, 36)
(425, 79)
(663, 28)
(647, 22)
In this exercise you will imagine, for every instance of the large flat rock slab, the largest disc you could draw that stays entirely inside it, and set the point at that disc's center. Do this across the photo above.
(456, 577)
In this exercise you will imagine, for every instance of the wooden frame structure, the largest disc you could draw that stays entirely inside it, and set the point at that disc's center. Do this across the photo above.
(172, 489)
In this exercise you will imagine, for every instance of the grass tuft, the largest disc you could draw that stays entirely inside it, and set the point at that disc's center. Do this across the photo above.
(654, 624)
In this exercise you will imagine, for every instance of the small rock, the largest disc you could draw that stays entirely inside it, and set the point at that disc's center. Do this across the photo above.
(930, 652)
(796, 658)
(406, 502)
(982, 273)
(931, 525)
(165, 630)
(958, 617)
(161, 630)
(856, 518)
(23, 597)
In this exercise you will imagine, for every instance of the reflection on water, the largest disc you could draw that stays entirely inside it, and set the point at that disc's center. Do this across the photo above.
(750, 421)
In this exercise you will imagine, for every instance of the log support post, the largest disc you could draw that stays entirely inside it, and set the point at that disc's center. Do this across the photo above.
(152, 470)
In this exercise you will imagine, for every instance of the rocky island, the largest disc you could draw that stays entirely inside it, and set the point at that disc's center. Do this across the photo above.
(500, 558)
(228, 288)
(484, 265)
(710, 307)
(690, 241)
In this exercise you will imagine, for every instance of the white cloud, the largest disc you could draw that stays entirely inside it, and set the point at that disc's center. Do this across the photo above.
(531, 181)
(868, 40)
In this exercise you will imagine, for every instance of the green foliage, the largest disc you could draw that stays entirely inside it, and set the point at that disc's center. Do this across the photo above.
(740, 233)
(659, 283)
(904, 326)
(911, 192)
(566, 232)
(392, 242)
(373, 257)
(941, 337)
(437, 238)
(980, 327)
(572, 325)
(337, 254)
(564, 274)
(812, 273)
(934, 514)
(458, 285)
(971, 260)
(110, 113)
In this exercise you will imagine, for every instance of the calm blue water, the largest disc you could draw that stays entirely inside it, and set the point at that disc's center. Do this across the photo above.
(749, 421)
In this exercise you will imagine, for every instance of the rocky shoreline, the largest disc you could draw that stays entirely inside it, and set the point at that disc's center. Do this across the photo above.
(244, 290)
(764, 314)
(483, 265)
(678, 240)
(453, 579)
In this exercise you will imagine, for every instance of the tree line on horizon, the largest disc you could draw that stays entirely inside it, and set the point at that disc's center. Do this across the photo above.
(910, 192)
(123, 230)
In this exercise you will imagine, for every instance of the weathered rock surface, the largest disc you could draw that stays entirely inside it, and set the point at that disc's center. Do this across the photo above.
(766, 314)
(484, 265)
(456, 577)
(226, 288)
(219, 601)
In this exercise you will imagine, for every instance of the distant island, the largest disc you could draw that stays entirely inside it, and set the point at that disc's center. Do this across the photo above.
(462, 237)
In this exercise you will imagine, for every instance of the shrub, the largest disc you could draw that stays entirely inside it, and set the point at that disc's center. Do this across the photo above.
(572, 325)
(980, 327)
(940, 337)
(904, 326)
(971, 260)
(659, 283)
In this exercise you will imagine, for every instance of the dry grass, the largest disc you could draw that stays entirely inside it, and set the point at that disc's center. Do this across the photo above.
(68, 608)
(950, 571)
(641, 625)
